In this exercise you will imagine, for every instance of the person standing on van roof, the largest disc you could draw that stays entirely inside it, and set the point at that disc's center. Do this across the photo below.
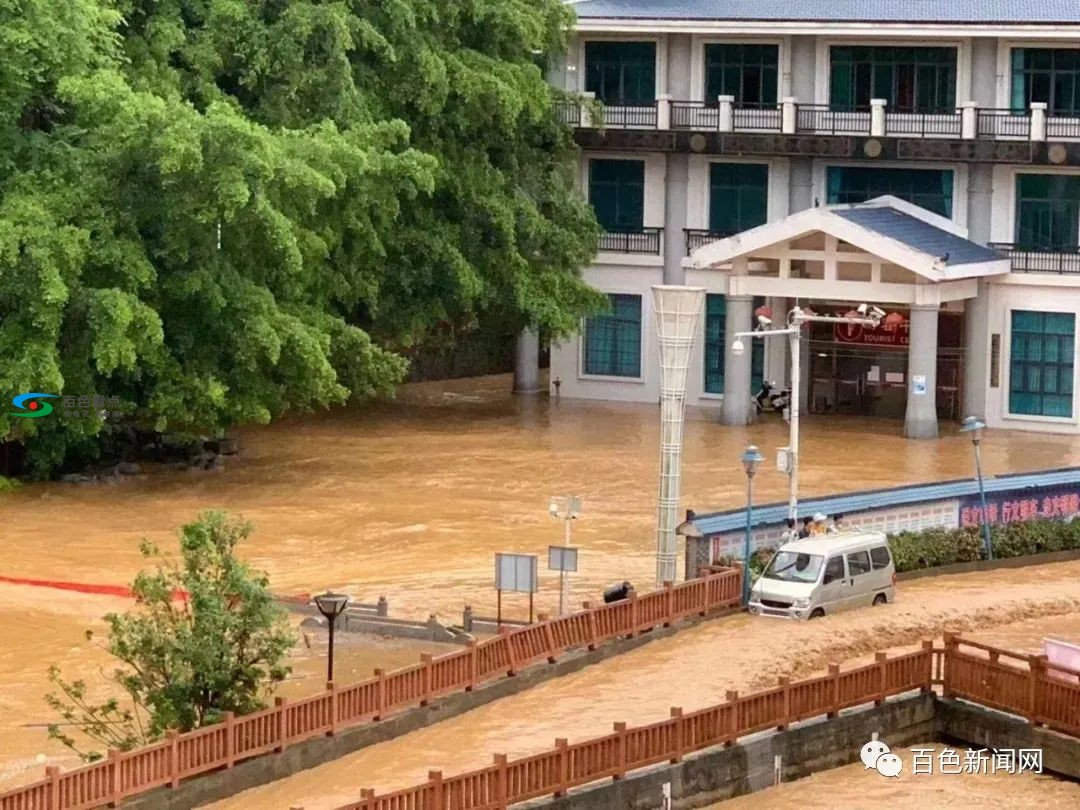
(839, 524)
(790, 532)
(807, 527)
(818, 526)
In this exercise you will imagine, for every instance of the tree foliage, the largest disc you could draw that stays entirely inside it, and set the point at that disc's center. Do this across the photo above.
(221, 210)
(205, 637)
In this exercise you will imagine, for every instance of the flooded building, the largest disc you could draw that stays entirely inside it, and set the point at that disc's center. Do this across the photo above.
(925, 160)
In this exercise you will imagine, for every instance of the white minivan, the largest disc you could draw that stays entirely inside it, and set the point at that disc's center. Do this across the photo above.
(810, 577)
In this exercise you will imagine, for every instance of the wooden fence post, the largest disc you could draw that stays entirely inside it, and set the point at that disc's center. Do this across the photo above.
(563, 747)
(883, 684)
(230, 756)
(1036, 671)
(703, 608)
(380, 694)
(784, 683)
(501, 799)
(732, 698)
(471, 646)
(435, 777)
(634, 611)
(511, 661)
(332, 690)
(928, 673)
(549, 636)
(52, 773)
(680, 739)
(591, 614)
(425, 678)
(952, 645)
(620, 751)
(834, 685)
(116, 792)
(174, 758)
(367, 798)
(282, 723)
(670, 612)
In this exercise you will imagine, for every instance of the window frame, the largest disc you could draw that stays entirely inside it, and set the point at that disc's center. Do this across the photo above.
(957, 191)
(583, 373)
(590, 197)
(852, 573)
(714, 46)
(888, 558)
(1017, 205)
(658, 61)
(843, 569)
(956, 81)
(1007, 393)
(745, 165)
(1051, 72)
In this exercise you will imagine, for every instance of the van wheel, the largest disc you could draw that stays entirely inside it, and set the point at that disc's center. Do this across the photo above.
(880, 599)
(817, 613)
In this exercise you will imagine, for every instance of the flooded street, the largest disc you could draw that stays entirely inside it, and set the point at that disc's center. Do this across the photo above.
(693, 669)
(412, 499)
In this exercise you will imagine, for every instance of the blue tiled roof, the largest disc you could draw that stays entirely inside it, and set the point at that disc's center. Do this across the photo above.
(913, 11)
(775, 514)
(919, 235)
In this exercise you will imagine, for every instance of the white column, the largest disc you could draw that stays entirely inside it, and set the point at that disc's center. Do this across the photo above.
(976, 351)
(776, 349)
(787, 116)
(877, 117)
(726, 113)
(969, 119)
(675, 197)
(527, 363)
(739, 312)
(586, 115)
(663, 111)
(1038, 120)
(920, 419)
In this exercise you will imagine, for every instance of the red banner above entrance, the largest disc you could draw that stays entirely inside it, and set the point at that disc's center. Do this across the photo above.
(884, 335)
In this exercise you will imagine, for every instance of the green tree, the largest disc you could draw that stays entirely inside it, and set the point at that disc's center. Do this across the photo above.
(222, 210)
(205, 637)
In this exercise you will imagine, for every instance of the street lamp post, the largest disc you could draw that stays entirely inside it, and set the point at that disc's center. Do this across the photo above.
(567, 508)
(975, 426)
(751, 458)
(863, 316)
(331, 605)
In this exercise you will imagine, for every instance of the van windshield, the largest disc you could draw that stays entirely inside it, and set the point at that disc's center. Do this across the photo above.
(792, 566)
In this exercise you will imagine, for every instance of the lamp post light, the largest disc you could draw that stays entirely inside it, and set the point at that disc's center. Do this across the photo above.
(751, 458)
(331, 605)
(568, 509)
(863, 316)
(975, 426)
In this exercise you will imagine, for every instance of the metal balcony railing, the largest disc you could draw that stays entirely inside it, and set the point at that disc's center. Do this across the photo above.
(568, 112)
(696, 237)
(748, 117)
(631, 116)
(1027, 259)
(645, 241)
(695, 115)
(996, 123)
(926, 124)
(821, 119)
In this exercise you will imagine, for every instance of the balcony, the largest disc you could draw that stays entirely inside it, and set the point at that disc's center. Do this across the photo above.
(791, 117)
(646, 241)
(1036, 260)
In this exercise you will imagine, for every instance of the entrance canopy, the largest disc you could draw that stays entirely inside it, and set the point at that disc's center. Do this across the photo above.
(882, 250)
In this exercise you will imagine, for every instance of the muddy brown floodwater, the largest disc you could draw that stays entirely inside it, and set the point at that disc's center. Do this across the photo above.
(693, 669)
(411, 499)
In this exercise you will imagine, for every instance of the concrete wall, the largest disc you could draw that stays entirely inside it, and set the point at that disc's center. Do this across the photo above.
(749, 766)
(263, 770)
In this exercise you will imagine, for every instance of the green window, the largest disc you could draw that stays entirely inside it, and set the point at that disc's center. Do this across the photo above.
(613, 341)
(1041, 363)
(1051, 75)
(747, 72)
(909, 79)
(930, 188)
(715, 343)
(617, 194)
(1047, 211)
(738, 196)
(621, 72)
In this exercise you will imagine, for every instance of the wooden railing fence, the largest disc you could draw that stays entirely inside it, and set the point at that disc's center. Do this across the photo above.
(1021, 684)
(181, 756)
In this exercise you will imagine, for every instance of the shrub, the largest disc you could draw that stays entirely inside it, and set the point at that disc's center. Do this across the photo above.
(939, 546)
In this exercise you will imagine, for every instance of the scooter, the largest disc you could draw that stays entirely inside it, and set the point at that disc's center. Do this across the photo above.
(771, 399)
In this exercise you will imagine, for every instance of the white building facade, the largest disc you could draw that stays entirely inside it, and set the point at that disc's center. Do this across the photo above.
(709, 129)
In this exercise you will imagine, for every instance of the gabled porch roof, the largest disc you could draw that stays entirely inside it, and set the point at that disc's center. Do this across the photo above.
(898, 232)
